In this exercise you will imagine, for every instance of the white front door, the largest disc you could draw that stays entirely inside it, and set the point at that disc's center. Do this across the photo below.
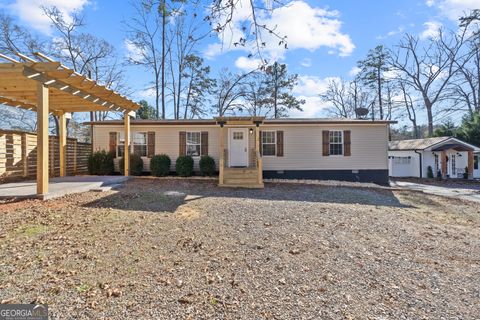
(238, 147)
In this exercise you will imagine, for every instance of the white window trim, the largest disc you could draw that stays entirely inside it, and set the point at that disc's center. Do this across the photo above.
(131, 142)
(187, 144)
(146, 143)
(274, 143)
(342, 144)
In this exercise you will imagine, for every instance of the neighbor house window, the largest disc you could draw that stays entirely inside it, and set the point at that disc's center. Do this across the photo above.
(437, 164)
(402, 160)
(336, 143)
(268, 143)
(138, 141)
(193, 144)
(475, 162)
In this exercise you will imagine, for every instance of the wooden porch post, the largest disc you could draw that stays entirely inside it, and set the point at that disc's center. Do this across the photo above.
(126, 155)
(62, 143)
(470, 164)
(444, 163)
(42, 139)
(259, 156)
(221, 166)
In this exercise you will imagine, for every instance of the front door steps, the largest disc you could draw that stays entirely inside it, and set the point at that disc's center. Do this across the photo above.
(241, 178)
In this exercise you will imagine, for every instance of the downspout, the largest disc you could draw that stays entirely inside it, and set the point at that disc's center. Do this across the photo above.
(421, 164)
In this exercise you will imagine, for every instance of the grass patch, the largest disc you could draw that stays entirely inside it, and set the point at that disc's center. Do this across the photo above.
(82, 288)
(31, 230)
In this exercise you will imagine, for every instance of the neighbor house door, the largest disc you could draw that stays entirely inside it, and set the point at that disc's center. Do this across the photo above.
(238, 147)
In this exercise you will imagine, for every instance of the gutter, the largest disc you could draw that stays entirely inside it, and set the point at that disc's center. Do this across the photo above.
(421, 164)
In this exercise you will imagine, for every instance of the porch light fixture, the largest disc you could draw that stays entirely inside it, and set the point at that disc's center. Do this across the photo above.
(251, 131)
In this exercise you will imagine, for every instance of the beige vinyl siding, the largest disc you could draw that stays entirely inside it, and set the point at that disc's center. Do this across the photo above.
(166, 141)
(303, 148)
(302, 145)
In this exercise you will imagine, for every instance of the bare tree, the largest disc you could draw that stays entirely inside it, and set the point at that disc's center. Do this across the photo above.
(86, 54)
(428, 69)
(346, 98)
(410, 108)
(229, 92)
(144, 32)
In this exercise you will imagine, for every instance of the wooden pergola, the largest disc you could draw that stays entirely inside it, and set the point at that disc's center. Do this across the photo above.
(48, 87)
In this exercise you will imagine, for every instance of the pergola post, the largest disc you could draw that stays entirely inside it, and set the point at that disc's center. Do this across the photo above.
(221, 166)
(126, 155)
(470, 164)
(62, 143)
(42, 139)
(259, 156)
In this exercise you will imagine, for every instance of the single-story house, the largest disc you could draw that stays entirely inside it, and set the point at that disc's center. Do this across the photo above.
(447, 155)
(248, 149)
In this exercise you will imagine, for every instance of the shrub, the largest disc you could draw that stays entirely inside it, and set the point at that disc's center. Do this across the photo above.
(465, 174)
(439, 175)
(136, 164)
(207, 166)
(100, 163)
(184, 166)
(429, 172)
(160, 165)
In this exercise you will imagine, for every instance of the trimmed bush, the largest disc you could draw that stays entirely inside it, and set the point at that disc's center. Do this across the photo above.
(100, 163)
(136, 164)
(439, 175)
(429, 172)
(184, 166)
(465, 174)
(160, 165)
(207, 166)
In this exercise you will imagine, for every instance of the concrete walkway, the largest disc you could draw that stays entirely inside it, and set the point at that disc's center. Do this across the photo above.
(465, 194)
(59, 187)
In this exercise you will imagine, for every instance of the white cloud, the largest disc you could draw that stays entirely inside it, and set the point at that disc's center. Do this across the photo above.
(304, 26)
(30, 11)
(309, 89)
(354, 71)
(133, 51)
(246, 64)
(432, 29)
(307, 62)
(453, 9)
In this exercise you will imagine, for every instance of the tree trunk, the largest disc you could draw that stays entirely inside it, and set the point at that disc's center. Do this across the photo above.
(379, 83)
(164, 24)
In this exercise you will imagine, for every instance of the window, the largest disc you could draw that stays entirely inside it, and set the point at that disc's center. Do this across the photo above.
(268, 143)
(238, 135)
(336, 143)
(402, 160)
(138, 141)
(475, 162)
(121, 144)
(193, 144)
(437, 164)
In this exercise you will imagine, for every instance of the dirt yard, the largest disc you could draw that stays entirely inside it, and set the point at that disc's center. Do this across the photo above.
(172, 249)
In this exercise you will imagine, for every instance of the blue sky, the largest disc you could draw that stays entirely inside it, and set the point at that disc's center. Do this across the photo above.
(326, 38)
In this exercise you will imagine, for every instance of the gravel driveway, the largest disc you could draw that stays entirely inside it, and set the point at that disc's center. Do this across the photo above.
(189, 250)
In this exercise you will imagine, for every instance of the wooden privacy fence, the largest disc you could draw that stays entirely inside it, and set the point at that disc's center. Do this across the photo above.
(18, 156)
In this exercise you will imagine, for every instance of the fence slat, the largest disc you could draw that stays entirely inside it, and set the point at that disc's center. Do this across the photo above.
(18, 156)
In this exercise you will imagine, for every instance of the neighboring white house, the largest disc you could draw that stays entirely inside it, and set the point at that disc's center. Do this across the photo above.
(450, 156)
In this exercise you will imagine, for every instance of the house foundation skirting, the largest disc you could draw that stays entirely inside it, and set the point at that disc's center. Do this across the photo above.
(379, 176)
